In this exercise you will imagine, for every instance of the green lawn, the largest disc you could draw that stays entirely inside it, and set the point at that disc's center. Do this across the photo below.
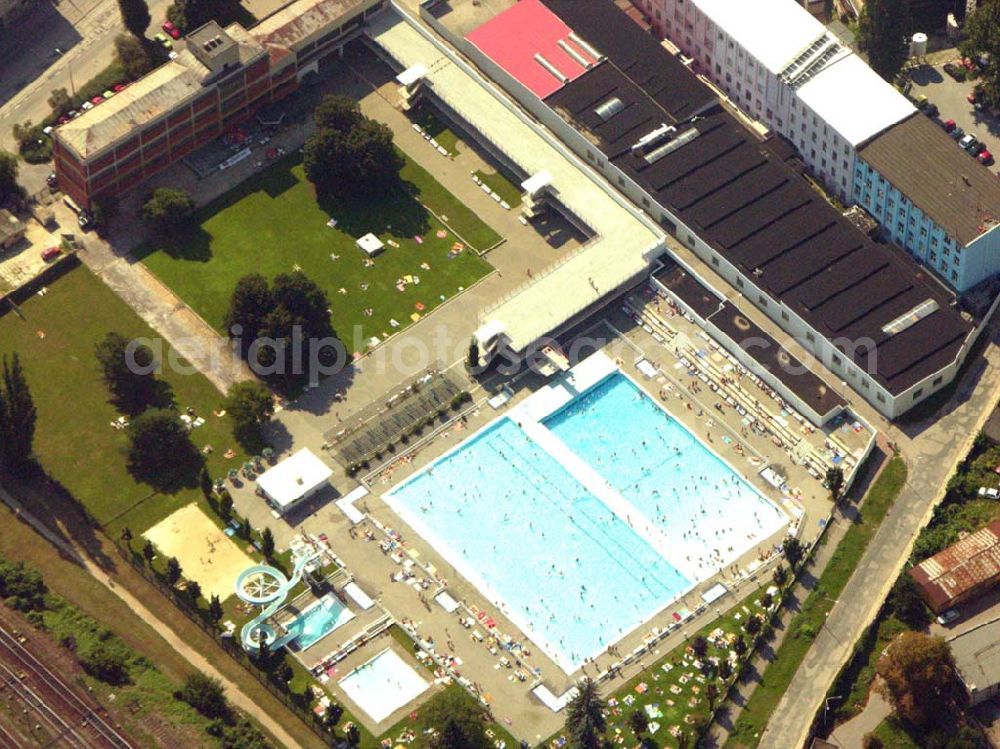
(805, 626)
(659, 690)
(273, 224)
(74, 440)
(435, 127)
(502, 186)
(895, 736)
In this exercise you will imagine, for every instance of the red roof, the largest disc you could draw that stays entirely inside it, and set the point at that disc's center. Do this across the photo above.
(530, 42)
(969, 564)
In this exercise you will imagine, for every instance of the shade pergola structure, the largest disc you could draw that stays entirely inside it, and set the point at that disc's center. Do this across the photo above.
(294, 479)
(385, 420)
(370, 244)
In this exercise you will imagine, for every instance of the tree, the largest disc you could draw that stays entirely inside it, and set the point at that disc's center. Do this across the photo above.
(711, 694)
(871, 741)
(168, 211)
(835, 481)
(284, 672)
(205, 695)
(883, 34)
(173, 572)
(60, 102)
(460, 723)
(251, 404)
(982, 40)
(17, 420)
(135, 16)
(248, 307)
(225, 506)
(793, 550)
(918, 674)
(133, 56)
(8, 176)
(585, 716)
(740, 645)
(126, 536)
(725, 670)
(160, 450)
(190, 14)
(906, 604)
(24, 132)
(700, 646)
(780, 575)
(361, 162)
(104, 661)
(338, 112)
(639, 722)
(148, 551)
(267, 543)
(127, 371)
(193, 590)
(752, 625)
(215, 611)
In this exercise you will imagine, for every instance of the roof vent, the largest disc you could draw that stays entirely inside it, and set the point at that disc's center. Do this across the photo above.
(910, 318)
(610, 108)
(652, 139)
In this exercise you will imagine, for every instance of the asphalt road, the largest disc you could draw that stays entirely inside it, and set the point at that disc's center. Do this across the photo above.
(931, 456)
(57, 45)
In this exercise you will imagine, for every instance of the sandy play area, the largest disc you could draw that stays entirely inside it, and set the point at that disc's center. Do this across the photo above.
(203, 550)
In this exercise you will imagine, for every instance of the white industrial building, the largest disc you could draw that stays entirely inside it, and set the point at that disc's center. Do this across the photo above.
(786, 70)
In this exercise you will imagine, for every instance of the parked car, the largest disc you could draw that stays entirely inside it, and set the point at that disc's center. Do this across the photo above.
(971, 98)
(985, 157)
(969, 64)
(931, 110)
(118, 87)
(976, 147)
(948, 616)
(52, 180)
(948, 125)
(97, 100)
(108, 94)
(967, 141)
(47, 130)
(64, 119)
(85, 219)
(172, 31)
(163, 40)
(957, 133)
(86, 106)
(920, 101)
(953, 70)
(73, 114)
(50, 253)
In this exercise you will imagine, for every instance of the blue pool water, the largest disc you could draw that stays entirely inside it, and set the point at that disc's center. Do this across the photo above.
(383, 685)
(318, 621)
(568, 570)
(697, 501)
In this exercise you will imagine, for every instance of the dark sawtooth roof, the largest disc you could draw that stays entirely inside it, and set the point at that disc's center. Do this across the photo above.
(740, 195)
(919, 159)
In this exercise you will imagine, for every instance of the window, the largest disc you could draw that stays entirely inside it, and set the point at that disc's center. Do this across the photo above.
(784, 315)
(715, 261)
(917, 393)
(621, 182)
(761, 300)
(645, 202)
(739, 282)
(937, 381)
(836, 361)
(880, 398)
(954, 277)
(810, 337)
(864, 384)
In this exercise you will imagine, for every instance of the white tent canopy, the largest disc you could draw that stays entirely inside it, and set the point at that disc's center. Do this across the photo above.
(371, 244)
(295, 478)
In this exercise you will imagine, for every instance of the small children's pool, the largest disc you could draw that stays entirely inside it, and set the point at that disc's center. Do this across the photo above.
(317, 621)
(383, 685)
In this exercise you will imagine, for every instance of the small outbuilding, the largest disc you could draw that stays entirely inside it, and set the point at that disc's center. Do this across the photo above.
(961, 572)
(11, 229)
(294, 480)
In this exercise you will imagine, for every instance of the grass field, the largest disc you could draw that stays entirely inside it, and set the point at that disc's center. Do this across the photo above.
(433, 125)
(273, 224)
(502, 186)
(895, 736)
(807, 623)
(74, 440)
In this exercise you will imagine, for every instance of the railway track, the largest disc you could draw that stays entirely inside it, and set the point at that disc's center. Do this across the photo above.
(73, 721)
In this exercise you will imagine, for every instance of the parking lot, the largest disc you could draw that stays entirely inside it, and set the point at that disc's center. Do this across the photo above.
(950, 97)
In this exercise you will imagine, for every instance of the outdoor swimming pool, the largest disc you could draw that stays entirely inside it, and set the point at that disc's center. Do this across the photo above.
(708, 514)
(317, 621)
(574, 527)
(383, 685)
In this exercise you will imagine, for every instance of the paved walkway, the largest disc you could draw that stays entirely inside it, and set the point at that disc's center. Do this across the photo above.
(233, 693)
(851, 734)
(931, 455)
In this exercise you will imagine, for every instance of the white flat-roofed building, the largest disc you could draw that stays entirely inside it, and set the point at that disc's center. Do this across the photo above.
(782, 67)
(294, 479)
